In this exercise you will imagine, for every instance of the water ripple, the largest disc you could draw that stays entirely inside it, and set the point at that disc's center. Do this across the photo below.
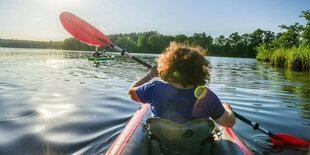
(58, 102)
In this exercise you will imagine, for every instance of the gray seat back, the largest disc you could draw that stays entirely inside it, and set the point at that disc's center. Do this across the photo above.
(187, 138)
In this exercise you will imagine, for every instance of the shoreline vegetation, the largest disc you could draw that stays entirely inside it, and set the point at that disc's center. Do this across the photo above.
(234, 45)
(291, 49)
(288, 49)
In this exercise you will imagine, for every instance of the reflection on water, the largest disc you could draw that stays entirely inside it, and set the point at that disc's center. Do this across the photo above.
(58, 102)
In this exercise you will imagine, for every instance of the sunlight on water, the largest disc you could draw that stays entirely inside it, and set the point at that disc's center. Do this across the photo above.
(49, 111)
(54, 63)
(46, 114)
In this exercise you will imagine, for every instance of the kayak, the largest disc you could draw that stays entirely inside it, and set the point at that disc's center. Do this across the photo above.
(134, 138)
(100, 58)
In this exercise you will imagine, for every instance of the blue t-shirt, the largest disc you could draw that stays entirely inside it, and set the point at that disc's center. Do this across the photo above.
(178, 104)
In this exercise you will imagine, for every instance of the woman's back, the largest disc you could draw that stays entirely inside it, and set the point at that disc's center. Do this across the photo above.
(168, 101)
(177, 104)
(180, 67)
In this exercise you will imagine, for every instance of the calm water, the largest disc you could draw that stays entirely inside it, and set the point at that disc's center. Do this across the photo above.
(58, 102)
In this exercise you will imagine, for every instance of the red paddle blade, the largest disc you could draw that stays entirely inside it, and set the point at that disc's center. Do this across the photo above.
(290, 140)
(82, 30)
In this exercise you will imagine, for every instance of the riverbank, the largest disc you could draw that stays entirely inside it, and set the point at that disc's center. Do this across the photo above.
(295, 58)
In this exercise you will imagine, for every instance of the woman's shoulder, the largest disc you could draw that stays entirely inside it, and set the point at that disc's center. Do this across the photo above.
(159, 83)
(211, 95)
(210, 92)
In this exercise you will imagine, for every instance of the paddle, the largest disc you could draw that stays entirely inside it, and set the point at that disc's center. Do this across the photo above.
(87, 33)
(276, 138)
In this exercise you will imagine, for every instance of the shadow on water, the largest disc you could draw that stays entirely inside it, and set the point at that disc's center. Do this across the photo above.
(58, 102)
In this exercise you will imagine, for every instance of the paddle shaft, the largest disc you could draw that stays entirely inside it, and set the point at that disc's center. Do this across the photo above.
(255, 125)
(124, 52)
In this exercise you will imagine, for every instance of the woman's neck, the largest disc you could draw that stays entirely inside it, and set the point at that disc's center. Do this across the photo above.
(178, 85)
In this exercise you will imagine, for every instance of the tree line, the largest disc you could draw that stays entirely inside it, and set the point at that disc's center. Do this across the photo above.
(30, 44)
(235, 45)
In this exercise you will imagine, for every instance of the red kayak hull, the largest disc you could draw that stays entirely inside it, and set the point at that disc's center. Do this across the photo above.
(124, 137)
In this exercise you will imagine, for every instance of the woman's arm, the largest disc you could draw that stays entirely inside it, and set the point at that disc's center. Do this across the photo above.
(228, 118)
(132, 89)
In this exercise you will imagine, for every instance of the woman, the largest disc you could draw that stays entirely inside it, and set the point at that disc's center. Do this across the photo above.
(184, 70)
(96, 54)
(104, 54)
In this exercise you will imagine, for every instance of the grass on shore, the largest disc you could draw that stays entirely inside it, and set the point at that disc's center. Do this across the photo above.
(297, 58)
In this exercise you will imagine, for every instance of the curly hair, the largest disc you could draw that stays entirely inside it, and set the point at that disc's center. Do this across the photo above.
(184, 65)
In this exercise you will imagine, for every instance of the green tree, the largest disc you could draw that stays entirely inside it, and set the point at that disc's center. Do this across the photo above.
(245, 39)
(306, 30)
(234, 39)
(142, 41)
(289, 38)
(268, 37)
(127, 44)
(74, 44)
(159, 42)
(113, 37)
(156, 43)
(181, 38)
(201, 39)
(221, 40)
(257, 37)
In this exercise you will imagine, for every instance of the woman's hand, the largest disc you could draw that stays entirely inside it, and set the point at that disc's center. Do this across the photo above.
(153, 72)
(146, 78)
(227, 107)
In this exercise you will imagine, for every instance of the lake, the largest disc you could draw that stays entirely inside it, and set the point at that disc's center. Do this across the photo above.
(58, 102)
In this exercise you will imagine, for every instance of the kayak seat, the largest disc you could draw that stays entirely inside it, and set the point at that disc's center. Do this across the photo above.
(193, 137)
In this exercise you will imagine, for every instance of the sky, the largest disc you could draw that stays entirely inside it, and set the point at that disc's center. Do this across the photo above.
(39, 19)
